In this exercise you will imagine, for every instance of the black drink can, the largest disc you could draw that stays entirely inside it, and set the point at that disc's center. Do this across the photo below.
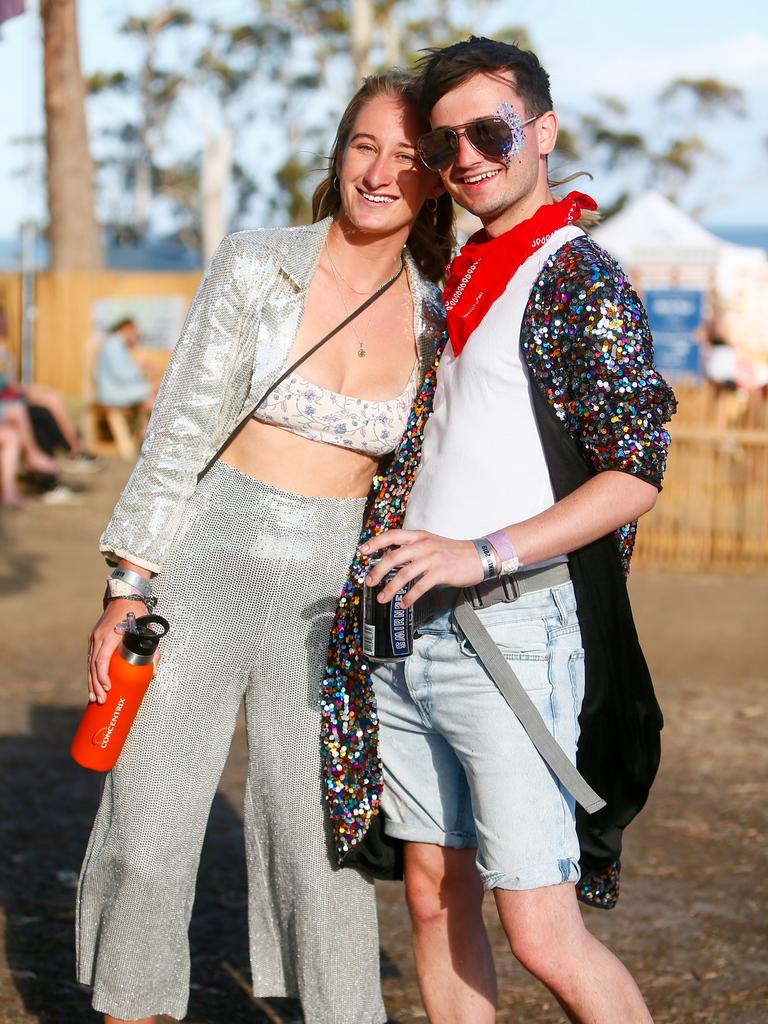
(387, 628)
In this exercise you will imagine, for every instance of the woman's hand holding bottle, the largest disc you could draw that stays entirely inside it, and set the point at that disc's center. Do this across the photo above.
(102, 644)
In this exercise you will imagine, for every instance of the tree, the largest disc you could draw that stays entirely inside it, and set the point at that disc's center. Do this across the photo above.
(74, 233)
(156, 90)
(376, 34)
(137, 157)
(289, 67)
(291, 63)
(671, 157)
(361, 33)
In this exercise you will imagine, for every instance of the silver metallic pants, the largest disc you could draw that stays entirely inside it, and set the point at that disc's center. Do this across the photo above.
(250, 590)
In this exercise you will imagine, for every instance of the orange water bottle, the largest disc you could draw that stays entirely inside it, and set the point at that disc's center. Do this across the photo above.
(104, 727)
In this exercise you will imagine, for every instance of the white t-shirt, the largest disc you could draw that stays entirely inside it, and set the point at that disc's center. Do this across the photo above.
(483, 465)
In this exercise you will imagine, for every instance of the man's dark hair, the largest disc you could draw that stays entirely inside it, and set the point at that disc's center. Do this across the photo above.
(443, 69)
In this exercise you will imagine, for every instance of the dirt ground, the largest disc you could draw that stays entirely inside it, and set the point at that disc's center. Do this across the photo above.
(690, 924)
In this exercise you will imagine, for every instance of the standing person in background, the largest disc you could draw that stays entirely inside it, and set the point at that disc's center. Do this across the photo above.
(545, 445)
(247, 564)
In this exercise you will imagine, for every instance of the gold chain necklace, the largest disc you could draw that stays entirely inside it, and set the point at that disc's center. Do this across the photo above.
(341, 277)
(360, 343)
(338, 279)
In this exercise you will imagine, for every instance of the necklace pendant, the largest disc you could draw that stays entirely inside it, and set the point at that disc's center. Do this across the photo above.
(361, 352)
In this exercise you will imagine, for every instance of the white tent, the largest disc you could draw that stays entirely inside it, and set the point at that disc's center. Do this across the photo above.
(656, 241)
(651, 231)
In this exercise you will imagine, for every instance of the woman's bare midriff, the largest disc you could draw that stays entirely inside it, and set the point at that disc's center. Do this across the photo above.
(294, 463)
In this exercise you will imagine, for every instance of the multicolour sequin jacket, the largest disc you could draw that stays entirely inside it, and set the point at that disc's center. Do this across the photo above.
(588, 348)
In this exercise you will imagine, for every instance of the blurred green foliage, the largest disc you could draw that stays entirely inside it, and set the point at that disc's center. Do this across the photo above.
(289, 65)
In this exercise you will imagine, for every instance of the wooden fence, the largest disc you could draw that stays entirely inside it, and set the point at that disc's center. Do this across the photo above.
(713, 511)
(10, 312)
(63, 304)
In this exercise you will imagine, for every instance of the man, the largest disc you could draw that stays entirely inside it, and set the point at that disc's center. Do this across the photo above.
(544, 447)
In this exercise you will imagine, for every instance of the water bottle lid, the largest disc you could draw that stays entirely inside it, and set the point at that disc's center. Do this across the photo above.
(145, 641)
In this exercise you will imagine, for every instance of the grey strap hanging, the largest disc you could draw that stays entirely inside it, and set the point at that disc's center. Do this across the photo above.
(514, 693)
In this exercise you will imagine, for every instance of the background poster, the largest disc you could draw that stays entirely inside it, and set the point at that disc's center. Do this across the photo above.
(676, 316)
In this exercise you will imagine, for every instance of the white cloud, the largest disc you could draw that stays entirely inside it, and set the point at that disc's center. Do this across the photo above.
(740, 60)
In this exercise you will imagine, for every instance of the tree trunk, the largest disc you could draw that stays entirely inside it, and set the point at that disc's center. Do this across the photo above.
(74, 233)
(361, 37)
(215, 184)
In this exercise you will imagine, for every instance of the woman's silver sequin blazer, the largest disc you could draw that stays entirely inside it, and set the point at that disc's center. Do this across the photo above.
(234, 344)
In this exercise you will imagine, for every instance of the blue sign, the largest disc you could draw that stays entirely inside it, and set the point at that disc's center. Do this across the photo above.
(676, 316)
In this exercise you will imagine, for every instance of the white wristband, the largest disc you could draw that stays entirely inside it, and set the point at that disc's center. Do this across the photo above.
(506, 552)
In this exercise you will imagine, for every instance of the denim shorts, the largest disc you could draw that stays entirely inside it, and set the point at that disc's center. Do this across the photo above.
(459, 770)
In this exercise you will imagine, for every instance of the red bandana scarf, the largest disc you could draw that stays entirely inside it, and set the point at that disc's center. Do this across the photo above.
(484, 267)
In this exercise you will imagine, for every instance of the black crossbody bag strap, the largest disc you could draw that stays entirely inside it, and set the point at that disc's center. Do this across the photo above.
(339, 327)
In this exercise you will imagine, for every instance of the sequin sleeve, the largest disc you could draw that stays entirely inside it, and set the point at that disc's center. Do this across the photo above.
(186, 420)
(588, 344)
(618, 396)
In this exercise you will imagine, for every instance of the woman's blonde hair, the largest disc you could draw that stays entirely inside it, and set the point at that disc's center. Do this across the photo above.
(431, 239)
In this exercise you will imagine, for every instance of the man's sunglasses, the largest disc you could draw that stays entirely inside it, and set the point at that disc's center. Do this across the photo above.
(490, 136)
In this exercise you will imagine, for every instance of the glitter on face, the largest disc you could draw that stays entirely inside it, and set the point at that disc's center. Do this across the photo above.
(511, 148)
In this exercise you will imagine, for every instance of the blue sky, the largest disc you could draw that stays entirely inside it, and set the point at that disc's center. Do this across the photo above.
(626, 51)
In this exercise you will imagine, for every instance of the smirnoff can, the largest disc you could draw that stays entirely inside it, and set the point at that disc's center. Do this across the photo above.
(387, 628)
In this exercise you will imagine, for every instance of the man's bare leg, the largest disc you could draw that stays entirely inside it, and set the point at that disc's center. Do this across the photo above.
(453, 956)
(547, 935)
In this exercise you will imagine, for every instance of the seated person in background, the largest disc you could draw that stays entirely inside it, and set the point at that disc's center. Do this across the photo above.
(52, 424)
(720, 364)
(14, 415)
(17, 439)
(723, 372)
(10, 459)
(118, 377)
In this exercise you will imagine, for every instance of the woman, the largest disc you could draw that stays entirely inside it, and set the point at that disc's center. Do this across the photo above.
(248, 565)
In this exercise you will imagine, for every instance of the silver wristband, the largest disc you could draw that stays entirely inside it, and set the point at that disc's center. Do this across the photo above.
(488, 557)
(132, 578)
